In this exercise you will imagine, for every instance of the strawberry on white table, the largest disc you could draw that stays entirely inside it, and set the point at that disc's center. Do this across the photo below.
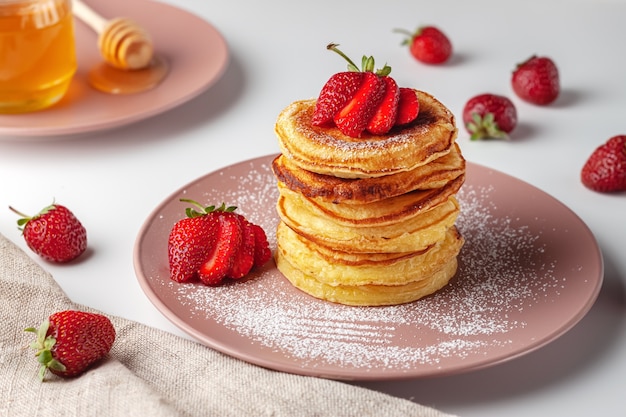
(605, 170)
(54, 233)
(489, 116)
(536, 80)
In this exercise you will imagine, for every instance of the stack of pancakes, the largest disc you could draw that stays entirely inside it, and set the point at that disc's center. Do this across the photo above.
(368, 221)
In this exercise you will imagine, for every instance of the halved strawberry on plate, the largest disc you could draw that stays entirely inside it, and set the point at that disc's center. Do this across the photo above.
(213, 243)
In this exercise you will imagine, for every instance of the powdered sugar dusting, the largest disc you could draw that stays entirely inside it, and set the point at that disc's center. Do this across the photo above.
(502, 272)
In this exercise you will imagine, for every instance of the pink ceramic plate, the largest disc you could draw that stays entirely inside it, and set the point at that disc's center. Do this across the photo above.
(196, 51)
(529, 271)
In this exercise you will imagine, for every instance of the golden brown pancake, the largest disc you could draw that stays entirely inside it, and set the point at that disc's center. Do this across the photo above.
(334, 189)
(335, 268)
(413, 234)
(327, 151)
(378, 213)
(366, 295)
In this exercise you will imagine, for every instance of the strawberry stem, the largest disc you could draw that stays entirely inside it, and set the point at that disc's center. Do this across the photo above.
(43, 345)
(485, 127)
(367, 62)
(204, 210)
(24, 218)
(351, 65)
(409, 36)
(19, 213)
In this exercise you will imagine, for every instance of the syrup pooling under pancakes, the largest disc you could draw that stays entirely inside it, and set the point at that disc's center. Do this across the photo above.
(108, 79)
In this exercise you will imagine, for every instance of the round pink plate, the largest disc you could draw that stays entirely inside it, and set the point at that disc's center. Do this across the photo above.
(529, 271)
(195, 50)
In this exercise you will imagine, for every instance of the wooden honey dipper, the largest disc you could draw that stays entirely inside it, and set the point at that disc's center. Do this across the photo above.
(122, 42)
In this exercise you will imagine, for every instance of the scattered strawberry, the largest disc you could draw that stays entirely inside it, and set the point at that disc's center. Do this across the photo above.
(367, 101)
(605, 170)
(190, 241)
(408, 106)
(55, 233)
(489, 116)
(70, 341)
(428, 44)
(536, 80)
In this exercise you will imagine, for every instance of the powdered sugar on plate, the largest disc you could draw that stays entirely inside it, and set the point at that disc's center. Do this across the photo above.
(505, 270)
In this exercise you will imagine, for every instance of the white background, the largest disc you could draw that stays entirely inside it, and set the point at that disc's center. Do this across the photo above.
(113, 179)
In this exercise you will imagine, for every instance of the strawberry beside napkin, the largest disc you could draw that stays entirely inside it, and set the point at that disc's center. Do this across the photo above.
(150, 372)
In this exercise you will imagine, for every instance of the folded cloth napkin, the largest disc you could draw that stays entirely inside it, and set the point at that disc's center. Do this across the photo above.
(150, 372)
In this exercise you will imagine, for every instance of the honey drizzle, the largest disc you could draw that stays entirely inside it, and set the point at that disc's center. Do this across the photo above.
(111, 80)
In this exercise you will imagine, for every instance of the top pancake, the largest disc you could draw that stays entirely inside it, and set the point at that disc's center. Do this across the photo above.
(325, 150)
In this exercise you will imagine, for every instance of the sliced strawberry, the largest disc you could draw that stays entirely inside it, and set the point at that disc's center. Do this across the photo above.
(189, 243)
(354, 117)
(244, 258)
(262, 251)
(335, 94)
(385, 116)
(408, 106)
(220, 259)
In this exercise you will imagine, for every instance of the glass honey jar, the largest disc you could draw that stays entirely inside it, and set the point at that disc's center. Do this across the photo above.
(37, 53)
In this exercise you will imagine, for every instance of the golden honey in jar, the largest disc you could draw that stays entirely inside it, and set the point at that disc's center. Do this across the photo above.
(37, 53)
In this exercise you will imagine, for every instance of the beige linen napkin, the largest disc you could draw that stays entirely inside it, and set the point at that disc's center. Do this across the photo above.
(150, 372)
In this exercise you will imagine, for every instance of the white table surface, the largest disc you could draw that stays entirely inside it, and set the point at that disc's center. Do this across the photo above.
(113, 179)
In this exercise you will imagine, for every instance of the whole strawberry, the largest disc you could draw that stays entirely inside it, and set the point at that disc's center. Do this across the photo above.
(54, 233)
(605, 170)
(428, 44)
(489, 116)
(70, 341)
(536, 80)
